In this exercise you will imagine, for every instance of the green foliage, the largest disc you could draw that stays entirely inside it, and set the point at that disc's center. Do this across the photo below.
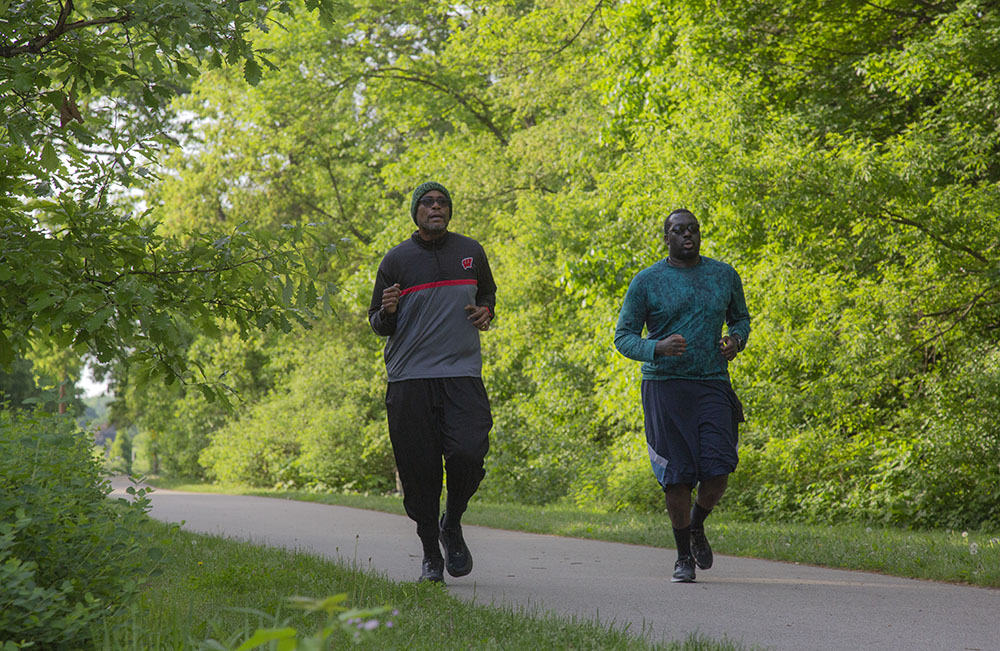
(841, 156)
(955, 483)
(83, 99)
(103, 285)
(67, 555)
(19, 389)
(323, 428)
(359, 623)
(625, 483)
(938, 468)
(17, 383)
(120, 453)
(175, 422)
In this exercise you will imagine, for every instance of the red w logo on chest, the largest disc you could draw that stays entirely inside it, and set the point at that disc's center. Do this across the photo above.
(466, 263)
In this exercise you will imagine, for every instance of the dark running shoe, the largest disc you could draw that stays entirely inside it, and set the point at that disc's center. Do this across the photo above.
(432, 569)
(700, 549)
(683, 570)
(458, 559)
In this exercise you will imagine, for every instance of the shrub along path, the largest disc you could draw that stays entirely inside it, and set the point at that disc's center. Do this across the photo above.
(771, 604)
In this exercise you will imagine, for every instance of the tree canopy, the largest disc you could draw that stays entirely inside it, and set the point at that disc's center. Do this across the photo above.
(85, 99)
(841, 156)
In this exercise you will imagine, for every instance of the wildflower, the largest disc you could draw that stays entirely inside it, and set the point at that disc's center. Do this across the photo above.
(965, 534)
(371, 624)
(389, 624)
(200, 563)
(973, 549)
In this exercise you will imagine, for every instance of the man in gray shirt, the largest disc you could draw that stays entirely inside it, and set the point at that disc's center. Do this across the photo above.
(433, 295)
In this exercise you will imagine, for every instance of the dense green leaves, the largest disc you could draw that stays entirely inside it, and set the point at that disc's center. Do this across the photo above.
(840, 163)
(68, 555)
(103, 285)
(84, 98)
(841, 156)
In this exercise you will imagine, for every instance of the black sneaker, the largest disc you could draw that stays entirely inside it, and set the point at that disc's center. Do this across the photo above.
(683, 570)
(458, 559)
(432, 569)
(700, 549)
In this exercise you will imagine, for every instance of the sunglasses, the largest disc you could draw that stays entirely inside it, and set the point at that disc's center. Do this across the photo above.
(679, 230)
(430, 201)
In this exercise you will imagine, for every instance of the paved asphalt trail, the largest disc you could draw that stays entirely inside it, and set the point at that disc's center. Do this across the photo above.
(770, 604)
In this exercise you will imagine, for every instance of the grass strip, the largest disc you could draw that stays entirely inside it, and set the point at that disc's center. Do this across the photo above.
(954, 556)
(214, 593)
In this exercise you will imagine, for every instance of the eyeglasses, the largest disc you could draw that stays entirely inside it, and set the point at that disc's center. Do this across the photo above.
(444, 202)
(690, 228)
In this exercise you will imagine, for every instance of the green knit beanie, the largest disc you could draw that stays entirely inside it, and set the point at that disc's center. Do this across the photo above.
(423, 189)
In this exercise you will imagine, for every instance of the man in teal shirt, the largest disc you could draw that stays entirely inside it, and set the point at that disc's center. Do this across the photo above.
(691, 412)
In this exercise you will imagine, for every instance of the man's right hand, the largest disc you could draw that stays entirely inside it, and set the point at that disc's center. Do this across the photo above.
(390, 299)
(672, 346)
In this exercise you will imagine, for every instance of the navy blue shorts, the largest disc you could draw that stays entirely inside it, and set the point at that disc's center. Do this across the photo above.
(692, 429)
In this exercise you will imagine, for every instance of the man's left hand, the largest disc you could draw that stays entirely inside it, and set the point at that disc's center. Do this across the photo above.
(729, 346)
(479, 315)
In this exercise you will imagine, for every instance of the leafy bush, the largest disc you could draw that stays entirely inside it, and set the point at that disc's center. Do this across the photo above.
(937, 465)
(176, 421)
(633, 486)
(255, 453)
(625, 483)
(957, 482)
(67, 554)
(815, 475)
(324, 429)
(120, 453)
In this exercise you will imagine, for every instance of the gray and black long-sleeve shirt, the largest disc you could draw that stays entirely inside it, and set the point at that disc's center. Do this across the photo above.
(430, 335)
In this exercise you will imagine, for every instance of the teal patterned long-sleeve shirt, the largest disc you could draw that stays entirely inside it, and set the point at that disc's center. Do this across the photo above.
(693, 302)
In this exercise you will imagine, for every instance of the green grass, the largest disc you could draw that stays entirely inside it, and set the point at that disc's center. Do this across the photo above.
(216, 589)
(958, 557)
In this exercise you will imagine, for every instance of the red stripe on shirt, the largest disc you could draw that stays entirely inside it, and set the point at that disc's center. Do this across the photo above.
(440, 283)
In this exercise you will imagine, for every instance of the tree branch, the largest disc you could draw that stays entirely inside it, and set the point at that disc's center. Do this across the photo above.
(174, 272)
(937, 238)
(959, 308)
(571, 39)
(406, 75)
(508, 192)
(340, 205)
(896, 12)
(965, 311)
(354, 231)
(35, 45)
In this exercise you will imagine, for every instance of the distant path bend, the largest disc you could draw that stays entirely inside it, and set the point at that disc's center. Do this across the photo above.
(775, 605)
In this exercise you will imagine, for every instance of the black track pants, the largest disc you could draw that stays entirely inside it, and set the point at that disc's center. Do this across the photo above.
(430, 419)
